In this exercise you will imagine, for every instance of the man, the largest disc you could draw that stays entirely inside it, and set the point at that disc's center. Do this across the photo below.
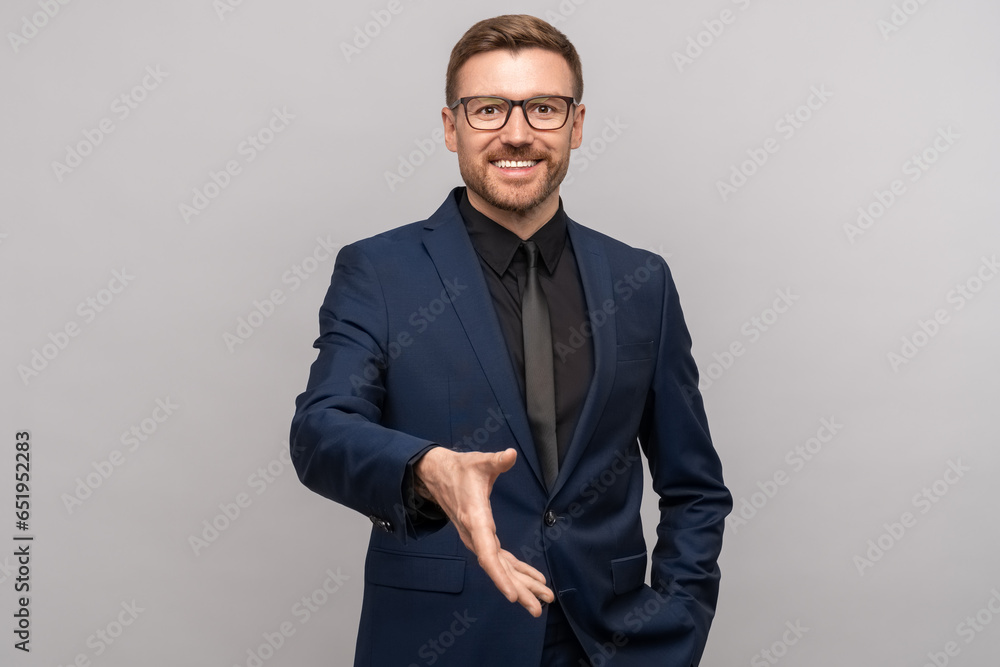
(484, 381)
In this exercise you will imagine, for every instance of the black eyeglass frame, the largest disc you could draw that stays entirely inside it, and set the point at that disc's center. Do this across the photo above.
(510, 109)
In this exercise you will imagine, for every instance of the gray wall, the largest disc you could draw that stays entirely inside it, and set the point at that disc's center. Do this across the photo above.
(850, 361)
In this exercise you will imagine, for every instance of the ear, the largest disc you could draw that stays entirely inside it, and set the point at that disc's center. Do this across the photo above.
(576, 137)
(450, 131)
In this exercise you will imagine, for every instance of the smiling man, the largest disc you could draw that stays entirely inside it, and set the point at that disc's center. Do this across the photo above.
(485, 380)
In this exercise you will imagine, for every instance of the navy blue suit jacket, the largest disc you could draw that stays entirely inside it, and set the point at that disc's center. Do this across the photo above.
(411, 354)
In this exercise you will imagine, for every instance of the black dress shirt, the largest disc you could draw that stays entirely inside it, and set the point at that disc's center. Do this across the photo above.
(505, 270)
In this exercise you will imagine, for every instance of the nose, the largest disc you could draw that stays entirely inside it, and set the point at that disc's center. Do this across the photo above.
(517, 132)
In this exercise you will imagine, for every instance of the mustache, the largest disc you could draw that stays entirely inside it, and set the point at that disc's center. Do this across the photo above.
(517, 155)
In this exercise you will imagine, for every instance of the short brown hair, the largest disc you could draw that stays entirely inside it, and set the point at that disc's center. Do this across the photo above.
(511, 32)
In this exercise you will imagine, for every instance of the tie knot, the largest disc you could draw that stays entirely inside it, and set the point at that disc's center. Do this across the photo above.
(531, 250)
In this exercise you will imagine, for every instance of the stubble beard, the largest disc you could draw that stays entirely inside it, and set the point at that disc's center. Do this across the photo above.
(475, 171)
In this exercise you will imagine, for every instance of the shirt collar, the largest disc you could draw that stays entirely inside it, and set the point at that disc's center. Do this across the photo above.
(496, 244)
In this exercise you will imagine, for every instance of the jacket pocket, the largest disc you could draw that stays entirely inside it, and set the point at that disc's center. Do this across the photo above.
(628, 573)
(418, 572)
(635, 351)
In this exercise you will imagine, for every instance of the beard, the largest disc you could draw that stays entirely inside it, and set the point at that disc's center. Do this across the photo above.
(519, 199)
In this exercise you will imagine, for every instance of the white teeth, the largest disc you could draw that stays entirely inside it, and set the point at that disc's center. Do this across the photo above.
(515, 164)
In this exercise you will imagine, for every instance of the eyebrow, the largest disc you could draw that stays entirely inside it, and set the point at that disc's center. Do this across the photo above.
(528, 97)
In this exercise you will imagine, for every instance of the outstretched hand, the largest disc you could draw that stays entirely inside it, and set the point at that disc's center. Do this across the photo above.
(461, 483)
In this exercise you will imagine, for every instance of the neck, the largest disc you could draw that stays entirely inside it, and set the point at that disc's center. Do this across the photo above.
(522, 223)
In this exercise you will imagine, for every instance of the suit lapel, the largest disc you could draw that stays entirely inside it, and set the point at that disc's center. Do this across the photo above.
(595, 274)
(449, 247)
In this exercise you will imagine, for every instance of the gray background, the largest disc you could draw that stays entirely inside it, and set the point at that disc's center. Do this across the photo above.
(660, 136)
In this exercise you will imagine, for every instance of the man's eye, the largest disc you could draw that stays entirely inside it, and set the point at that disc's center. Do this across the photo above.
(489, 111)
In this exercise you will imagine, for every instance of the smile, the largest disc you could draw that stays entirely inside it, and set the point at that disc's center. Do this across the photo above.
(515, 164)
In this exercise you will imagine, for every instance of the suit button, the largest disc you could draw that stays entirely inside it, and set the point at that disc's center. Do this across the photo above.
(550, 518)
(381, 524)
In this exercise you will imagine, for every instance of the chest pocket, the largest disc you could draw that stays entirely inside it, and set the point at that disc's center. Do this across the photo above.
(635, 351)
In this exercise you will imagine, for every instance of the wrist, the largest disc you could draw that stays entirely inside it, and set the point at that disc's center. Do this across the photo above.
(423, 470)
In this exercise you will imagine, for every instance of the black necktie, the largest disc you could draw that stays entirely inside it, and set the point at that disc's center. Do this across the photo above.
(539, 378)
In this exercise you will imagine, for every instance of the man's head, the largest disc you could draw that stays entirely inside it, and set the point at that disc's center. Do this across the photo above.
(514, 166)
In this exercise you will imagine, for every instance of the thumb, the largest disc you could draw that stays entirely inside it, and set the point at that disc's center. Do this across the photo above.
(504, 461)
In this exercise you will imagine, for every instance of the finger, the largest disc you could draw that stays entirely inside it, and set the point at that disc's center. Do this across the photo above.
(530, 592)
(529, 577)
(523, 568)
(528, 598)
(540, 592)
(495, 570)
(537, 588)
(484, 543)
(505, 572)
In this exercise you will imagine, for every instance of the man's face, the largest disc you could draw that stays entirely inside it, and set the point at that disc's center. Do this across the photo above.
(529, 73)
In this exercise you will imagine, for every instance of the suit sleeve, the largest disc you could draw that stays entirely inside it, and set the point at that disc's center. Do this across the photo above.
(686, 474)
(338, 446)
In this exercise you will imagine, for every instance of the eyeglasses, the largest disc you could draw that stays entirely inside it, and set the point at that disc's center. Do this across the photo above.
(545, 112)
